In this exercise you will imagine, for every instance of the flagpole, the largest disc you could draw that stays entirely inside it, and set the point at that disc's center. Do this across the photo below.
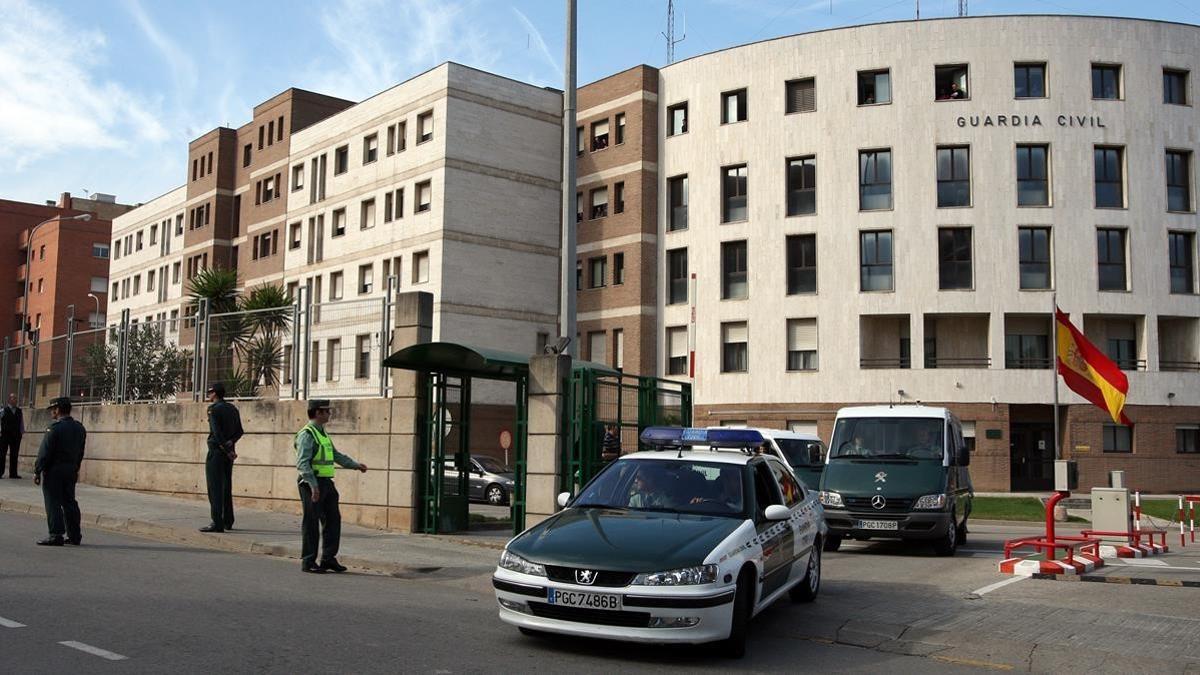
(1054, 366)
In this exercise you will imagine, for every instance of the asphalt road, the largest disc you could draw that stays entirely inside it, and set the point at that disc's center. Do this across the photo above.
(130, 605)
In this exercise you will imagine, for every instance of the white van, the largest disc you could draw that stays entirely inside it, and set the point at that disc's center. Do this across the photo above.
(804, 452)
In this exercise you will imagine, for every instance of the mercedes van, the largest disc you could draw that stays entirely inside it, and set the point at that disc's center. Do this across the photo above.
(897, 472)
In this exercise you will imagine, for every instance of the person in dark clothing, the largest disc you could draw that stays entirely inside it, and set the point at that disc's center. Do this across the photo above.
(57, 471)
(610, 445)
(224, 431)
(12, 428)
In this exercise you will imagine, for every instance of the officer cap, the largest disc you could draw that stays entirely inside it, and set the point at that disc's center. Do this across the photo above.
(217, 388)
(60, 402)
(315, 404)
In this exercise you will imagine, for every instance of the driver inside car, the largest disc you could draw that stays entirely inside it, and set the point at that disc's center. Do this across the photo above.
(729, 490)
(925, 447)
(646, 492)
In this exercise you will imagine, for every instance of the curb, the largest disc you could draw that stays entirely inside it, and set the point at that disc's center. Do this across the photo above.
(1129, 581)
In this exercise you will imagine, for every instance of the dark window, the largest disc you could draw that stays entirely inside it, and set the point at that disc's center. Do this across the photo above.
(618, 268)
(1033, 176)
(370, 148)
(1022, 352)
(599, 199)
(1118, 438)
(579, 275)
(246, 150)
(734, 348)
(950, 82)
(599, 135)
(1106, 81)
(800, 95)
(733, 106)
(1187, 440)
(1110, 252)
(1182, 266)
(597, 267)
(801, 344)
(802, 186)
(1179, 180)
(279, 129)
(678, 188)
(733, 193)
(874, 86)
(261, 130)
(677, 119)
(341, 160)
(580, 145)
(677, 271)
(1175, 86)
(620, 128)
(619, 197)
(875, 256)
(677, 350)
(1110, 191)
(954, 258)
(954, 176)
(734, 271)
(1034, 252)
(874, 179)
(802, 264)
(1029, 80)
(424, 127)
(1123, 352)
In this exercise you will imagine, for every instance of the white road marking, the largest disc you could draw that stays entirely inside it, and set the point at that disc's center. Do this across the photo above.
(999, 584)
(95, 651)
(1144, 562)
(1122, 562)
(9, 623)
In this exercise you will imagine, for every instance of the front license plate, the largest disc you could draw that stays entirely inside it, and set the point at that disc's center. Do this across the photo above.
(878, 525)
(610, 601)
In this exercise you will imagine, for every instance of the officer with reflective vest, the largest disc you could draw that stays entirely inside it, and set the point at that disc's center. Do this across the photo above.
(315, 460)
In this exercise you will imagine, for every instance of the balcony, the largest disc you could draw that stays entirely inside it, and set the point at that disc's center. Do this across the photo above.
(1027, 342)
(1119, 337)
(956, 341)
(884, 342)
(1179, 344)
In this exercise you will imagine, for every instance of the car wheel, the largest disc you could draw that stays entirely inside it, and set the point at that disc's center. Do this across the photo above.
(734, 646)
(496, 495)
(946, 545)
(806, 590)
(832, 543)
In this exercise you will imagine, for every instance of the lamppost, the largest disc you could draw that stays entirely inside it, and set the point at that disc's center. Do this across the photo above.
(26, 326)
(96, 323)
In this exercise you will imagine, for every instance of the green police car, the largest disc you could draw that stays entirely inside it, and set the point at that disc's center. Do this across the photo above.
(671, 545)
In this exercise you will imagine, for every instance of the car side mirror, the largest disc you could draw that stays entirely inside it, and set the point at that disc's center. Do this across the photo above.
(777, 512)
(563, 498)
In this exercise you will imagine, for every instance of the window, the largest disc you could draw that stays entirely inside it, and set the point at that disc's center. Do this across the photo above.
(1110, 254)
(370, 148)
(424, 196)
(270, 189)
(424, 127)
(339, 222)
(137, 284)
(298, 177)
(397, 198)
(246, 150)
(599, 135)
(1175, 86)
(341, 160)
(1033, 245)
(1033, 175)
(618, 269)
(1187, 439)
(580, 145)
(800, 95)
(174, 324)
(677, 276)
(733, 106)
(1110, 191)
(950, 82)
(41, 285)
(1121, 346)
(115, 292)
(420, 271)
(153, 235)
(99, 284)
(362, 356)
(42, 253)
(1118, 438)
(802, 344)
(802, 186)
(734, 271)
(579, 209)
(1106, 81)
(366, 278)
(1182, 266)
(619, 197)
(118, 250)
(677, 188)
(279, 129)
(401, 136)
(596, 351)
(293, 236)
(733, 193)
(618, 360)
(333, 361)
(337, 286)
(875, 256)
(271, 132)
(874, 86)
(1179, 180)
(175, 270)
(578, 275)
(1025, 352)
(677, 350)
(677, 119)
(597, 269)
(1029, 80)
(599, 198)
(954, 258)
(314, 360)
(801, 264)
(874, 180)
(734, 347)
(620, 128)
(953, 176)
(367, 214)
(99, 250)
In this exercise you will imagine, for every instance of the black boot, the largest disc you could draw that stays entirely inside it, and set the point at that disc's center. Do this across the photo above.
(212, 528)
(333, 565)
(52, 540)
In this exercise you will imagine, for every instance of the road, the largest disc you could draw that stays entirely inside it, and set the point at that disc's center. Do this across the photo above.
(161, 607)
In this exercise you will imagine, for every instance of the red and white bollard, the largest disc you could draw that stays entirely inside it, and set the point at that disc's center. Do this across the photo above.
(1137, 511)
(1182, 540)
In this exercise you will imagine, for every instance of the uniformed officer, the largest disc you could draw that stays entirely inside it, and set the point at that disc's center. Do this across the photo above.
(57, 471)
(224, 431)
(315, 460)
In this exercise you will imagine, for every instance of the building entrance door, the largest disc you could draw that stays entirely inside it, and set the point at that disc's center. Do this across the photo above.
(1031, 458)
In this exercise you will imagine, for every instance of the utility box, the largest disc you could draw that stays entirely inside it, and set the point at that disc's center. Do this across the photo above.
(1111, 512)
(1066, 475)
(1116, 479)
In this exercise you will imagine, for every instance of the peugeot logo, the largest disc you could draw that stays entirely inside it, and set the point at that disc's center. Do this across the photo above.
(878, 501)
(585, 577)
(881, 477)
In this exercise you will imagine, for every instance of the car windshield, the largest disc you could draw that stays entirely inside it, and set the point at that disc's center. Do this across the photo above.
(888, 438)
(707, 488)
(800, 452)
(492, 465)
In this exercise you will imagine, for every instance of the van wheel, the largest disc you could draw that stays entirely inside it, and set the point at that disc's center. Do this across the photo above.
(947, 544)
(832, 543)
(734, 646)
(806, 590)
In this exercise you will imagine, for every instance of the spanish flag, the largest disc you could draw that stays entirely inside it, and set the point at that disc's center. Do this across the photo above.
(1088, 372)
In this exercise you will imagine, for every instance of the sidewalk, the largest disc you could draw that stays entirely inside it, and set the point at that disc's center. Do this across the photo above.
(266, 532)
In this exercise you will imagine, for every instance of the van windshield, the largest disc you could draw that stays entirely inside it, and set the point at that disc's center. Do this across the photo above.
(888, 438)
(799, 452)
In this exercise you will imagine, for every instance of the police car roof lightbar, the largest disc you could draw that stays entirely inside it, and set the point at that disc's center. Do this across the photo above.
(688, 436)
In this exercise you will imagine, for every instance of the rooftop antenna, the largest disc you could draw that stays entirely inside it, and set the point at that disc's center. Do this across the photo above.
(962, 7)
(670, 34)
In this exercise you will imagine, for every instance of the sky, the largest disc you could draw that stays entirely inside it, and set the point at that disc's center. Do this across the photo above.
(104, 95)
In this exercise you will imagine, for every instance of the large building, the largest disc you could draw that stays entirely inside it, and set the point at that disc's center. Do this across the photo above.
(888, 210)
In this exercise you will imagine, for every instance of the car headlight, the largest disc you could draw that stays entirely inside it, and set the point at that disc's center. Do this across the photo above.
(515, 563)
(931, 502)
(684, 576)
(832, 499)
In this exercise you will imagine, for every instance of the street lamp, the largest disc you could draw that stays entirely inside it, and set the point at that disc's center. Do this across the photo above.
(96, 323)
(26, 326)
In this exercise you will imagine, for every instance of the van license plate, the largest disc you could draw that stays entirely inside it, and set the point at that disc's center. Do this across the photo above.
(878, 525)
(563, 598)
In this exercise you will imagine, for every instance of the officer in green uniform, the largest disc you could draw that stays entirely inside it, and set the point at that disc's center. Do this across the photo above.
(57, 470)
(315, 460)
(224, 430)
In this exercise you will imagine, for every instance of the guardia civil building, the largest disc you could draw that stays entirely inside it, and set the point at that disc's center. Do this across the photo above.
(884, 213)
